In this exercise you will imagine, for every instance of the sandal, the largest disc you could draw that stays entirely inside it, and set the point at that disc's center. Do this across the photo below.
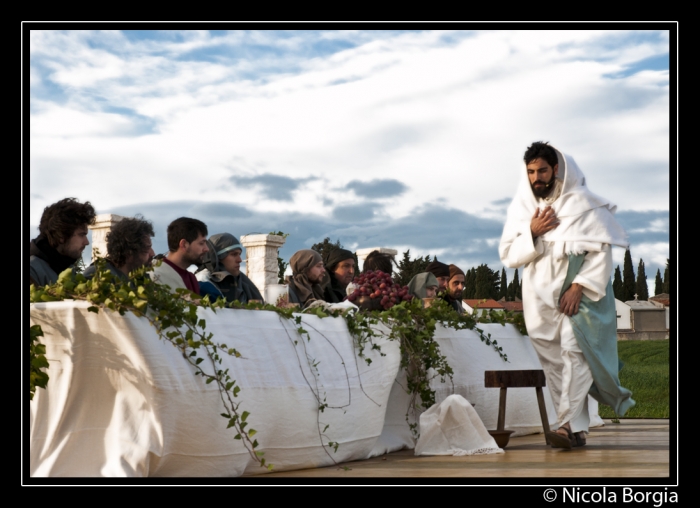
(579, 439)
(558, 440)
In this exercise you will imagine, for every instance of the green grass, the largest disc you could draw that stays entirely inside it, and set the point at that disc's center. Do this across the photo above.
(646, 374)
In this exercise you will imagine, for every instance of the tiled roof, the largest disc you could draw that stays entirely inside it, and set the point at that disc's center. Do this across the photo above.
(512, 306)
(483, 304)
(663, 299)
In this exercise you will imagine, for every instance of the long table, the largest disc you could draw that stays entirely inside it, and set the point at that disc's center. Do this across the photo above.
(122, 402)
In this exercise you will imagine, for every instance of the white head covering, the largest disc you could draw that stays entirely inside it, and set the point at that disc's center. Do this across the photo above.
(586, 220)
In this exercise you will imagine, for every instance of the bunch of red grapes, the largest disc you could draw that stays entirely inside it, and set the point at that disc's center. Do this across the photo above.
(378, 285)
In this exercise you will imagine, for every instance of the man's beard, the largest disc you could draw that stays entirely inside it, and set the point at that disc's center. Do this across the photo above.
(542, 192)
(190, 258)
(455, 295)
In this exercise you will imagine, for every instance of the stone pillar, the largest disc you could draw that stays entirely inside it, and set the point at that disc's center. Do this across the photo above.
(363, 253)
(103, 225)
(261, 259)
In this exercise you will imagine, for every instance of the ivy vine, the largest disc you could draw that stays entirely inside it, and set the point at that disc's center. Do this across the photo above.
(175, 320)
(174, 317)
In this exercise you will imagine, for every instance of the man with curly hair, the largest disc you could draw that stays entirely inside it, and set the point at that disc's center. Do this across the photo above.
(128, 247)
(62, 238)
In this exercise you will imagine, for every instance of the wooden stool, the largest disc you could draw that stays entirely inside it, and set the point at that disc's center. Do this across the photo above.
(505, 379)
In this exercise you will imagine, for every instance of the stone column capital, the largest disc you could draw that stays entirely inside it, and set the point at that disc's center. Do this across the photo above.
(258, 240)
(261, 253)
(363, 253)
(104, 223)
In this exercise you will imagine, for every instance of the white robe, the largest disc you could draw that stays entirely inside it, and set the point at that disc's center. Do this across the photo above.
(586, 225)
(166, 274)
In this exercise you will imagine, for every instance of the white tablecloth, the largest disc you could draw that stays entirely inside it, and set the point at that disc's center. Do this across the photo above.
(469, 358)
(120, 402)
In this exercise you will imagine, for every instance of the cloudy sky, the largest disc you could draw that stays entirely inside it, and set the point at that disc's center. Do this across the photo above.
(400, 139)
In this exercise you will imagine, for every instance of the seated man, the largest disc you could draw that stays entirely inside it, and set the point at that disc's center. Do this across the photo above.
(307, 274)
(376, 260)
(187, 244)
(441, 272)
(128, 247)
(455, 286)
(61, 241)
(340, 267)
(220, 274)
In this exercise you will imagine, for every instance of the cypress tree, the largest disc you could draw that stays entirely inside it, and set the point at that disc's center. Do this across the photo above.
(514, 287)
(667, 278)
(469, 284)
(482, 284)
(409, 268)
(641, 287)
(618, 288)
(503, 293)
(658, 283)
(629, 283)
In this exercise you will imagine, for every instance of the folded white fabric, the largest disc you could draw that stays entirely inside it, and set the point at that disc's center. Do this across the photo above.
(454, 428)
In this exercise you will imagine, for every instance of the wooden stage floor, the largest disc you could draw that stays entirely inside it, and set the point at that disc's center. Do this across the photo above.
(631, 448)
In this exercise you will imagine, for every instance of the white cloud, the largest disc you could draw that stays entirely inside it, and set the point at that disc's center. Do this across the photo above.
(450, 121)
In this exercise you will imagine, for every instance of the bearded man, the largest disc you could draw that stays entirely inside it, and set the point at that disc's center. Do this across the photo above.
(187, 244)
(455, 288)
(563, 233)
(340, 267)
(63, 230)
(129, 247)
(308, 273)
(441, 272)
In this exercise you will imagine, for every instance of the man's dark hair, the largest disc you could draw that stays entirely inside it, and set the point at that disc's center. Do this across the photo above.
(186, 229)
(60, 220)
(541, 150)
(126, 239)
(378, 261)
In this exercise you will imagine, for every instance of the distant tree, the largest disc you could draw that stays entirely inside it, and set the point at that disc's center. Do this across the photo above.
(503, 293)
(658, 283)
(326, 246)
(629, 282)
(618, 288)
(667, 278)
(281, 268)
(469, 280)
(641, 288)
(486, 283)
(514, 289)
(409, 268)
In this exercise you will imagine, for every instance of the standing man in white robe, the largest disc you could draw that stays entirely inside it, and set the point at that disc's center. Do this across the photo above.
(562, 233)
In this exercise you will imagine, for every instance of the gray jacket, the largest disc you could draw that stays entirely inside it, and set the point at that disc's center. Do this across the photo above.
(40, 272)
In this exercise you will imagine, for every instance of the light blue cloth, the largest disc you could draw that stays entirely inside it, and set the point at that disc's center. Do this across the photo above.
(595, 328)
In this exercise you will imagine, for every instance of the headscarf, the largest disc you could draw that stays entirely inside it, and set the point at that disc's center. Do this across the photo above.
(455, 270)
(419, 284)
(332, 258)
(586, 220)
(438, 269)
(219, 246)
(300, 262)
(241, 288)
(329, 282)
